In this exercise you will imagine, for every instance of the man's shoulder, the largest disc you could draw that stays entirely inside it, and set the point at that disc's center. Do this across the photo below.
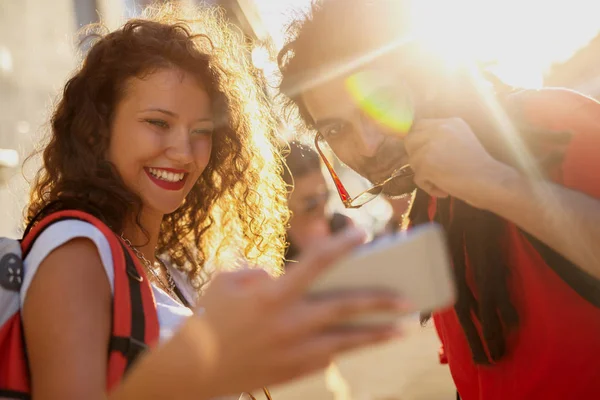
(549, 95)
(552, 107)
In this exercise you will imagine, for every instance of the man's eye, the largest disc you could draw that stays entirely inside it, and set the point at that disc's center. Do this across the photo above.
(158, 122)
(333, 130)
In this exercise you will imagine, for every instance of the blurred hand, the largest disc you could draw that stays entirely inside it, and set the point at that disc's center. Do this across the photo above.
(258, 331)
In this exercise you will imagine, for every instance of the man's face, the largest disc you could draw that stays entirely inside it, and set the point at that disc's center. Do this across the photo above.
(360, 128)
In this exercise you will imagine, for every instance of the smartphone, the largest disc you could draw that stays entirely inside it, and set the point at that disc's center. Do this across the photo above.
(414, 263)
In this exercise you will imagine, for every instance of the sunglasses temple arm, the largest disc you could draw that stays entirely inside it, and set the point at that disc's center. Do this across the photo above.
(342, 192)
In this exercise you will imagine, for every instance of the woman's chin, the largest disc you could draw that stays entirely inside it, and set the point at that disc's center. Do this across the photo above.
(164, 207)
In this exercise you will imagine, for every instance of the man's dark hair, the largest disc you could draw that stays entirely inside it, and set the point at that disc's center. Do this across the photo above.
(338, 32)
(338, 36)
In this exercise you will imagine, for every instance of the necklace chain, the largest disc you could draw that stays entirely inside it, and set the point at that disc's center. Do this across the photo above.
(169, 287)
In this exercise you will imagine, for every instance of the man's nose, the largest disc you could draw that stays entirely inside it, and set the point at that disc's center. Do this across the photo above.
(369, 136)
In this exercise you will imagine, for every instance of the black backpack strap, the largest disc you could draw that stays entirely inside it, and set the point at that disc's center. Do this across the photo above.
(130, 340)
(11, 394)
(182, 298)
(586, 285)
(132, 346)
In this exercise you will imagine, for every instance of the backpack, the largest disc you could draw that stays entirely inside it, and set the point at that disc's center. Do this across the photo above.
(134, 317)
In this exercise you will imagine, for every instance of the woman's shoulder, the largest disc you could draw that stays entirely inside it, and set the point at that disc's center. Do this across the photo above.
(66, 233)
(62, 232)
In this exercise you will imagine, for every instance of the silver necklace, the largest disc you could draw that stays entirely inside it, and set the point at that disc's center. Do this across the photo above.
(169, 287)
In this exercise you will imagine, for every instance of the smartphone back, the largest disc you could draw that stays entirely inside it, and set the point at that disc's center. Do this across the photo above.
(415, 264)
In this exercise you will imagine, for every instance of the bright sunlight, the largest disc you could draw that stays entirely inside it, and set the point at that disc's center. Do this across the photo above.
(521, 38)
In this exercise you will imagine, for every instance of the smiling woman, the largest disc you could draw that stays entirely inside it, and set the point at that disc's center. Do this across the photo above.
(153, 144)
(175, 115)
(162, 159)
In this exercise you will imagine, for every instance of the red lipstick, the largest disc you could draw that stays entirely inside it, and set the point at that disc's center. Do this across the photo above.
(167, 185)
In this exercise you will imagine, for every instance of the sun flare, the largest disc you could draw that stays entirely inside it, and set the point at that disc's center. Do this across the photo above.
(521, 39)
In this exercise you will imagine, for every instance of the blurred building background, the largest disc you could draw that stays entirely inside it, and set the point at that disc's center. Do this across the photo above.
(35, 58)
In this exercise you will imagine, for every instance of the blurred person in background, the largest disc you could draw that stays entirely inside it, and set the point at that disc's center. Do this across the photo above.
(155, 140)
(311, 219)
(512, 176)
(400, 207)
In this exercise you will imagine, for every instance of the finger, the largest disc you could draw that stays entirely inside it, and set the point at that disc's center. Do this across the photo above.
(437, 192)
(421, 164)
(240, 277)
(340, 341)
(322, 349)
(430, 188)
(296, 282)
(423, 131)
(233, 281)
(323, 312)
(417, 139)
(250, 276)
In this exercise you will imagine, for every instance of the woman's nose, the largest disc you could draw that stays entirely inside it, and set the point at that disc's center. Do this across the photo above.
(180, 148)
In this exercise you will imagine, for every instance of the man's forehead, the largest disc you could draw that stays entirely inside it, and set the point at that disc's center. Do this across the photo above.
(326, 98)
(333, 98)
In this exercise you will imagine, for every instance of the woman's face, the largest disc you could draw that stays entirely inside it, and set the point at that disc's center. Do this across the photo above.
(161, 137)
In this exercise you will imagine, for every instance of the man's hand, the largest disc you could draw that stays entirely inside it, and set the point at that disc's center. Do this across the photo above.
(448, 159)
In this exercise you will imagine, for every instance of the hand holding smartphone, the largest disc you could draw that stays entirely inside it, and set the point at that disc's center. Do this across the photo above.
(414, 264)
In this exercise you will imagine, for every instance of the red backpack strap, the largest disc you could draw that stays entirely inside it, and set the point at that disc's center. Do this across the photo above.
(135, 322)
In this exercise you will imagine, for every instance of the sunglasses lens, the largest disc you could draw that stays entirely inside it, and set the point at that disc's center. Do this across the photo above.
(402, 178)
(402, 184)
(366, 196)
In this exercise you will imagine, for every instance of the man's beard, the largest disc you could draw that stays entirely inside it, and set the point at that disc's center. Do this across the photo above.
(399, 187)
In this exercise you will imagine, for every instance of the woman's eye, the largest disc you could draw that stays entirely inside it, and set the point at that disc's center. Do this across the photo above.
(158, 122)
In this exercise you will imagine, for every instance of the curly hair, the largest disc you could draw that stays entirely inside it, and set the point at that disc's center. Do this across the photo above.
(226, 207)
